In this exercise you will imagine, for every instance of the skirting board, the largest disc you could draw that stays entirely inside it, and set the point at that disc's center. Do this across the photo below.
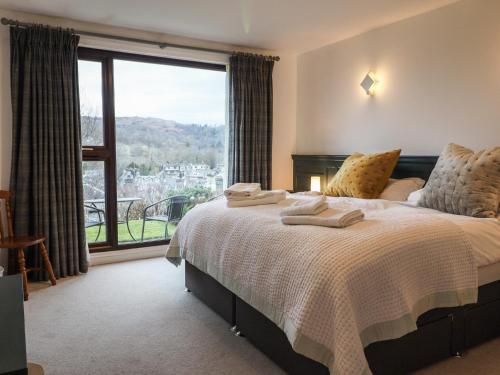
(126, 255)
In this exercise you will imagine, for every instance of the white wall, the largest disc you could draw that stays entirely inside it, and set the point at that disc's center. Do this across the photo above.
(284, 86)
(440, 83)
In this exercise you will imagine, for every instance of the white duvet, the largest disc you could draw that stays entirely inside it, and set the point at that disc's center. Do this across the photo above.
(333, 291)
(484, 236)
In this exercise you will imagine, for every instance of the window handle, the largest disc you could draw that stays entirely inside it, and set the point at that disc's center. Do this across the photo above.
(87, 149)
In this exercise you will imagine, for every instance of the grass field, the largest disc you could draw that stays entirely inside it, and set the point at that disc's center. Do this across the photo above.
(154, 230)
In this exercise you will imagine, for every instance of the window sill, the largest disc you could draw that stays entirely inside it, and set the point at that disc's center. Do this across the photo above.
(116, 256)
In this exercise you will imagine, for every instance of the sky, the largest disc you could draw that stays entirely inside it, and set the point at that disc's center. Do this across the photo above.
(185, 95)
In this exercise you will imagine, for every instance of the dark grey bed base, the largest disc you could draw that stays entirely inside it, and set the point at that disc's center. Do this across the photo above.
(441, 333)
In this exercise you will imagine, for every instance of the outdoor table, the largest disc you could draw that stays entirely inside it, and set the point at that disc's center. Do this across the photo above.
(129, 200)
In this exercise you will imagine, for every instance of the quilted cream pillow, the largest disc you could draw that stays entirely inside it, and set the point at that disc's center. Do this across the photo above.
(464, 182)
(363, 176)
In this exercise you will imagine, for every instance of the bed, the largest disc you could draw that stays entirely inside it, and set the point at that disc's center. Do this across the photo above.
(441, 332)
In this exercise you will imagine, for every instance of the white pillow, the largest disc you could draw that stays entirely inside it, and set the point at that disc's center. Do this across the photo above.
(415, 196)
(399, 190)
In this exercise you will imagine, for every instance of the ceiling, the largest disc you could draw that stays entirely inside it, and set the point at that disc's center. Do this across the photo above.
(295, 25)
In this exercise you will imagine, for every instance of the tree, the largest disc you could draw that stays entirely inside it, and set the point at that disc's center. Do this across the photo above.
(91, 126)
(212, 158)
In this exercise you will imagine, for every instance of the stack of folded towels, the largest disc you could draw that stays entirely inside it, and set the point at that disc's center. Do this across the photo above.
(316, 212)
(250, 194)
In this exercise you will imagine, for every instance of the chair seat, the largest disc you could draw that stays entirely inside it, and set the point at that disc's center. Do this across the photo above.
(158, 218)
(20, 242)
(93, 223)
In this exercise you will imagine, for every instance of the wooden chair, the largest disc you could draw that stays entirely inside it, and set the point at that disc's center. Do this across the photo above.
(19, 244)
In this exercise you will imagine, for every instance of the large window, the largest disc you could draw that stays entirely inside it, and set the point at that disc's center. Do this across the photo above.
(153, 144)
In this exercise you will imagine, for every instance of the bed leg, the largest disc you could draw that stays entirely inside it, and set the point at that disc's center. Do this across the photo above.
(236, 331)
(459, 355)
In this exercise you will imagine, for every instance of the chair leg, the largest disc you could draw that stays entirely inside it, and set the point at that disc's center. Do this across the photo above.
(166, 230)
(98, 233)
(48, 265)
(22, 270)
(143, 227)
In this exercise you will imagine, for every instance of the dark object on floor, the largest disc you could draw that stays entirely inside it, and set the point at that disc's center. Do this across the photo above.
(9, 241)
(12, 337)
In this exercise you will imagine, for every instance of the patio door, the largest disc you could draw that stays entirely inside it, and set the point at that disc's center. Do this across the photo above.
(153, 144)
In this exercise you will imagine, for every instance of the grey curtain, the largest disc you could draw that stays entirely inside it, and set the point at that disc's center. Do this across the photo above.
(46, 175)
(250, 119)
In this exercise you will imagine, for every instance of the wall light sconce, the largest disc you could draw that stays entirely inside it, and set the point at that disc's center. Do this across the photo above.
(370, 83)
(316, 183)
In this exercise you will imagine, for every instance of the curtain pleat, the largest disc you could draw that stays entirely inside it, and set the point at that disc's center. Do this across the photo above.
(46, 173)
(250, 119)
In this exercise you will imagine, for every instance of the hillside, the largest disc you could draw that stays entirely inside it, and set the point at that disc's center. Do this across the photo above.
(151, 142)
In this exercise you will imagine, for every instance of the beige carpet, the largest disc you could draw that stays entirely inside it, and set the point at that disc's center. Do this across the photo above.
(135, 318)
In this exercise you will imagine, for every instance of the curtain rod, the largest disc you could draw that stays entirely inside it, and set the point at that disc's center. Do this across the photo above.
(161, 45)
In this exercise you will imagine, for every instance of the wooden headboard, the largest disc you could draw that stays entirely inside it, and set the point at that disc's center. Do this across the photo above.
(305, 166)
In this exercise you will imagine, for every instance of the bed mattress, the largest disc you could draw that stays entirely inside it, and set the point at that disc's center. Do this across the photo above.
(484, 236)
(488, 274)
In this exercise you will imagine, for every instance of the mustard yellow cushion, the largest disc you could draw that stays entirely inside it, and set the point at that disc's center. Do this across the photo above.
(363, 176)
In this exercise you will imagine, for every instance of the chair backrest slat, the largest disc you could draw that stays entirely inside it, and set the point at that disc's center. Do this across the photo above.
(5, 214)
(2, 204)
(177, 207)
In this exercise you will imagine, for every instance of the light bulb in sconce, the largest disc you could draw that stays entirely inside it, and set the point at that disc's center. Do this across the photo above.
(369, 84)
(316, 183)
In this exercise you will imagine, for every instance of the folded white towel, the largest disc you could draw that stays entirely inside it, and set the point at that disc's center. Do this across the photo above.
(242, 190)
(306, 207)
(309, 193)
(275, 197)
(328, 218)
(262, 194)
